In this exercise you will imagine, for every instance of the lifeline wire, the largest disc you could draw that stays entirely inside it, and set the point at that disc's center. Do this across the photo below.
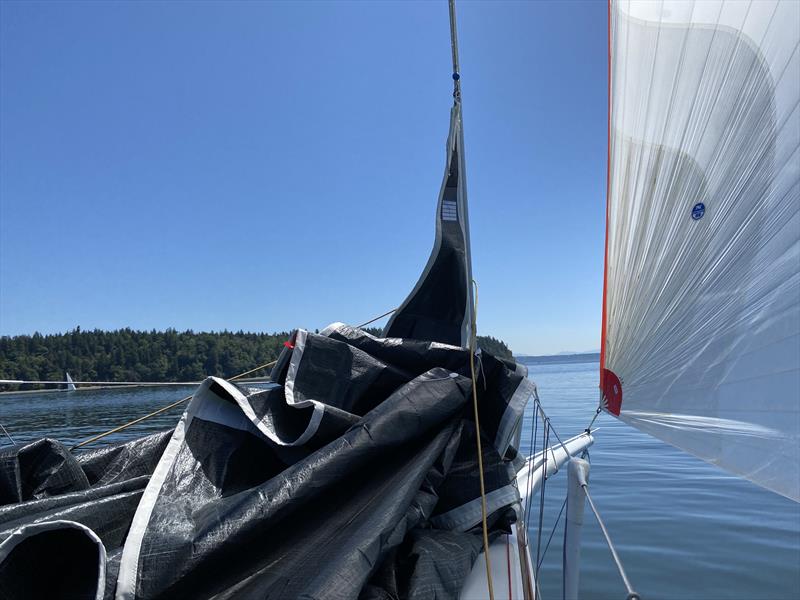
(104, 383)
(531, 456)
(552, 531)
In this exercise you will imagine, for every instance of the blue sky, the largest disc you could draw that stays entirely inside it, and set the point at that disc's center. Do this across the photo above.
(264, 166)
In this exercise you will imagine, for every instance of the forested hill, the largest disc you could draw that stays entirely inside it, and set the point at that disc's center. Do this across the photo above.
(128, 355)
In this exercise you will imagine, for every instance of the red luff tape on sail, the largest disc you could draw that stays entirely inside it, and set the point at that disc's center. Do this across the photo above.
(608, 200)
(612, 391)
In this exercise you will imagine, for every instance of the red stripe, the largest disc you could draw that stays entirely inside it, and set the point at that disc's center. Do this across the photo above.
(608, 199)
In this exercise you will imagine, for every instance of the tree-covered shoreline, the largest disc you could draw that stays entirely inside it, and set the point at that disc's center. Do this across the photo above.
(132, 355)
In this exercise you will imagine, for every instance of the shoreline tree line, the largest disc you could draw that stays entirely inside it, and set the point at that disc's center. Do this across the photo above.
(132, 355)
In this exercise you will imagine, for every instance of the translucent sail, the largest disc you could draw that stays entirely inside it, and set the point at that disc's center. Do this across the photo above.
(701, 316)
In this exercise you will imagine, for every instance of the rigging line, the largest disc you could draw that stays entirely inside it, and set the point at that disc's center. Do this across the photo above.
(454, 49)
(8, 435)
(484, 524)
(386, 314)
(126, 425)
(531, 456)
(547, 545)
(555, 433)
(632, 595)
(160, 410)
(596, 414)
(182, 400)
(546, 450)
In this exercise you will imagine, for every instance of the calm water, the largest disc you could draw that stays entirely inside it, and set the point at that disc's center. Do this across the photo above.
(684, 529)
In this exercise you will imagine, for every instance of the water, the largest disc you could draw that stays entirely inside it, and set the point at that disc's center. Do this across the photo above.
(683, 528)
(72, 417)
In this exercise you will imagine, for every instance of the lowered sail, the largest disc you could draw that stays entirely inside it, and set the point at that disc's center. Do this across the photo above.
(439, 308)
(701, 315)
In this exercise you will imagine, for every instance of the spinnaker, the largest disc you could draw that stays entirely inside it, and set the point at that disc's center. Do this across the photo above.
(701, 314)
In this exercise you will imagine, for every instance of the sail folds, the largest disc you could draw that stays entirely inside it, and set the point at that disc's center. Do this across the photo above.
(352, 474)
(439, 308)
(701, 327)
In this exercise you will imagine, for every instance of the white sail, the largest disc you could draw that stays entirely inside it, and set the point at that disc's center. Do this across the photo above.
(70, 386)
(701, 315)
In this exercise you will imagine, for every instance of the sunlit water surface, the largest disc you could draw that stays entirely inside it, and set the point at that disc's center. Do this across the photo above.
(684, 529)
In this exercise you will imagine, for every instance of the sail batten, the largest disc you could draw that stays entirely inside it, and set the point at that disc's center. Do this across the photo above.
(701, 334)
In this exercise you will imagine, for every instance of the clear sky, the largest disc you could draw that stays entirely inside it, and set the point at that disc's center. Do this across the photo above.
(264, 166)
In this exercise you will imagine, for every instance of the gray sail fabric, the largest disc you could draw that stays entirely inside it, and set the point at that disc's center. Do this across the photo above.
(439, 308)
(71, 528)
(505, 381)
(218, 480)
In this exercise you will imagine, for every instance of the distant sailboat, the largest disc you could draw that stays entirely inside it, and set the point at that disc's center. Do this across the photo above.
(70, 385)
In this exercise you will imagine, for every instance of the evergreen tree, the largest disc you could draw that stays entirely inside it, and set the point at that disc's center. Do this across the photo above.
(129, 355)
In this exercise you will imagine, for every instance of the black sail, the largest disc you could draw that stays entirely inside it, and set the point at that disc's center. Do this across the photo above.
(439, 308)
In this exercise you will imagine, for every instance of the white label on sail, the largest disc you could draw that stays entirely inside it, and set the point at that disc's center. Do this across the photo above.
(701, 325)
(449, 210)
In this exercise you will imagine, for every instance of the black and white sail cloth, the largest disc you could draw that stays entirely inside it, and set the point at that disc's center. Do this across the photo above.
(439, 308)
(352, 475)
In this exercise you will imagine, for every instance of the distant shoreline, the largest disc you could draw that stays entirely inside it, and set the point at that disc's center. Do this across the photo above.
(559, 358)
